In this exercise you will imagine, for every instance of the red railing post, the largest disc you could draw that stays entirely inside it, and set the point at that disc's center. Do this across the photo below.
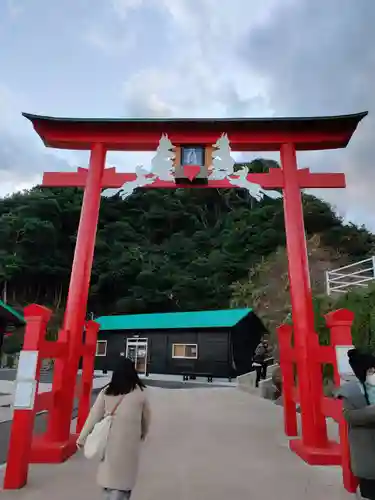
(26, 389)
(49, 447)
(75, 312)
(340, 322)
(317, 385)
(55, 416)
(284, 333)
(89, 350)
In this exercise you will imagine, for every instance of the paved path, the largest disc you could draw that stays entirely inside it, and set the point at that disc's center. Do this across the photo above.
(210, 444)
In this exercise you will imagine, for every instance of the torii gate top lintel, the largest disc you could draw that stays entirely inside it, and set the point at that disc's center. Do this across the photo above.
(245, 134)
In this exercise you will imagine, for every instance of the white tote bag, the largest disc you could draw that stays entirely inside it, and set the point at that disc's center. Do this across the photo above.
(96, 442)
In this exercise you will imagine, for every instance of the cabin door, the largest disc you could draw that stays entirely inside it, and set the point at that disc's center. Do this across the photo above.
(136, 350)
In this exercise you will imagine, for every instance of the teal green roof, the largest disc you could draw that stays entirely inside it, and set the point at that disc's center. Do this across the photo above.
(164, 321)
(10, 315)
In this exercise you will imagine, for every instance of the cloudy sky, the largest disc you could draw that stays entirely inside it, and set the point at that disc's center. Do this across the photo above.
(131, 58)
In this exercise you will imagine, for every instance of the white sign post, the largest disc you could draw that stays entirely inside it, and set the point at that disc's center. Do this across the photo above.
(345, 371)
(25, 384)
(24, 395)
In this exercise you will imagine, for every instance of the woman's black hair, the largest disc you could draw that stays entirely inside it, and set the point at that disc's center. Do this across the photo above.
(360, 362)
(124, 379)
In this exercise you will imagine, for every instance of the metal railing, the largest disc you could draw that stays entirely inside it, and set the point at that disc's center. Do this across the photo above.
(357, 275)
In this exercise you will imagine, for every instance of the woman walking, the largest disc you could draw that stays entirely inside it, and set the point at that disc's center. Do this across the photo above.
(359, 411)
(126, 397)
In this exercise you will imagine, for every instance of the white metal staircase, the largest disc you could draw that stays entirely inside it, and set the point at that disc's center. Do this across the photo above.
(356, 275)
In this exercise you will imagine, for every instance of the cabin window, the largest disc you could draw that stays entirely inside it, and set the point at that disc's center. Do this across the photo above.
(185, 351)
(101, 348)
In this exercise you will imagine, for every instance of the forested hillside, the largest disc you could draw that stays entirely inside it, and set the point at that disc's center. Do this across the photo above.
(160, 250)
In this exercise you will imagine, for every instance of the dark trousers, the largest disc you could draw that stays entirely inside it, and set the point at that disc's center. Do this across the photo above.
(116, 494)
(261, 373)
(367, 488)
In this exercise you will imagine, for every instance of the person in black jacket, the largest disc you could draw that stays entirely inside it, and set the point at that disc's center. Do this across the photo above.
(358, 397)
(259, 361)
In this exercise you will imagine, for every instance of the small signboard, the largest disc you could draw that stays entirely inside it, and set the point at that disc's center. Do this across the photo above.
(345, 371)
(25, 383)
(27, 365)
(24, 395)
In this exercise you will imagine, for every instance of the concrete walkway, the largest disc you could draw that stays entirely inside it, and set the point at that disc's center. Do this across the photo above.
(206, 444)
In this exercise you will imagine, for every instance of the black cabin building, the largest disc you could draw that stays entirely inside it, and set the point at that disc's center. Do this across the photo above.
(217, 343)
(10, 319)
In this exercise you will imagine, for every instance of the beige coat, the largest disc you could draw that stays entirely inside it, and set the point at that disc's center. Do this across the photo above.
(130, 425)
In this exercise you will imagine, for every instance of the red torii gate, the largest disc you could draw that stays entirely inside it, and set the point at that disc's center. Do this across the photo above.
(286, 135)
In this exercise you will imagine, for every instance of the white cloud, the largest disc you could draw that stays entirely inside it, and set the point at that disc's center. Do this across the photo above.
(317, 62)
(192, 58)
(123, 7)
(23, 158)
(10, 109)
(15, 8)
(190, 89)
(265, 59)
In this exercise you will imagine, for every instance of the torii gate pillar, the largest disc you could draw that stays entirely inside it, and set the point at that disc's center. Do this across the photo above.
(75, 312)
(314, 430)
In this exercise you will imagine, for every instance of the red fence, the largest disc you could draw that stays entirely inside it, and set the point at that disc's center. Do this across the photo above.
(24, 446)
(328, 453)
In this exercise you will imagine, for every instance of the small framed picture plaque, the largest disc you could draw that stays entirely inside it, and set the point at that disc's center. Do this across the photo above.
(192, 155)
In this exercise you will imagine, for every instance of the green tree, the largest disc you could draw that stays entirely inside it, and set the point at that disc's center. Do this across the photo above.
(159, 250)
(362, 303)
